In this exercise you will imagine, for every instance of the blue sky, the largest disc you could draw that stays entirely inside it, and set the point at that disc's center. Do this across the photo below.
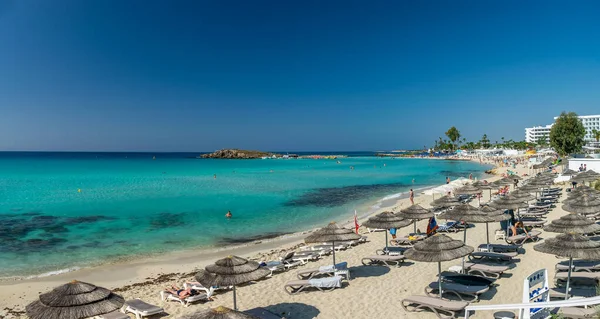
(143, 75)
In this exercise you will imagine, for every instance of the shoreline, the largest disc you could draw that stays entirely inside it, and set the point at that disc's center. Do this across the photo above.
(148, 270)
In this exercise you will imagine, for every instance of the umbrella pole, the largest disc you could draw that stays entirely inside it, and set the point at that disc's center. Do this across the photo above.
(465, 242)
(568, 278)
(386, 241)
(440, 278)
(487, 234)
(415, 227)
(333, 248)
(234, 299)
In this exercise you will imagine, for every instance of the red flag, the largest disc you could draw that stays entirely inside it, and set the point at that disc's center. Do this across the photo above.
(356, 226)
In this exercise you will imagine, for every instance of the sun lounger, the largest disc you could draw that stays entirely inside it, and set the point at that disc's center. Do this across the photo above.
(199, 286)
(141, 309)
(408, 240)
(485, 270)
(437, 305)
(362, 239)
(578, 313)
(338, 246)
(534, 223)
(306, 256)
(387, 260)
(490, 256)
(522, 238)
(578, 278)
(579, 265)
(372, 230)
(262, 313)
(449, 227)
(322, 284)
(112, 315)
(466, 279)
(459, 290)
(328, 270)
(498, 248)
(321, 250)
(392, 251)
(559, 292)
(205, 296)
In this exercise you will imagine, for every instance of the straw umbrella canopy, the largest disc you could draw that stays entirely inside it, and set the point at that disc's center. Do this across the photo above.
(587, 176)
(572, 246)
(438, 248)
(231, 271)
(523, 195)
(414, 213)
(493, 215)
(468, 189)
(573, 223)
(509, 202)
(578, 191)
(569, 172)
(584, 204)
(331, 233)
(219, 313)
(387, 220)
(445, 201)
(74, 300)
(481, 185)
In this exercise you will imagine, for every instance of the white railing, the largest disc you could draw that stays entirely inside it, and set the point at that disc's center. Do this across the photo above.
(526, 306)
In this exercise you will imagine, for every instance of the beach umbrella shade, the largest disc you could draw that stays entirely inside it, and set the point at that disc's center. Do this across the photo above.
(509, 202)
(218, 313)
(387, 220)
(438, 248)
(578, 191)
(570, 246)
(573, 223)
(331, 233)
(569, 172)
(468, 189)
(74, 300)
(481, 185)
(523, 195)
(445, 201)
(231, 271)
(584, 204)
(513, 177)
(414, 213)
(494, 215)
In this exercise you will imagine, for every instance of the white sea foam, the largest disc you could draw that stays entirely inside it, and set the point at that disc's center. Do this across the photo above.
(54, 273)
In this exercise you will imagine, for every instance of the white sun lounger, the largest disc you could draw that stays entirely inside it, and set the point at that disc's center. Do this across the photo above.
(578, 313)
(199, 286)
(456, 289)
(520, 239)
(338, 246)
(579, 265)
(328, 270)
(167, 296)
(388, 260)
(492, 257)
(437, 305)
(322, 284)
(141, 309)
(406, 240)
(392, 251)
(485, 270)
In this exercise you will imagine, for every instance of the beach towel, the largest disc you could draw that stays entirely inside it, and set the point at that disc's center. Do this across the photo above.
(431, 226)
(331, 268)
(330, 282)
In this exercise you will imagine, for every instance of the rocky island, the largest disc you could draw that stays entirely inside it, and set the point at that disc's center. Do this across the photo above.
(238, 154)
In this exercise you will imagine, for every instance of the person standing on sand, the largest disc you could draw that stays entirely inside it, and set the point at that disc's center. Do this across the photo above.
(411, 195)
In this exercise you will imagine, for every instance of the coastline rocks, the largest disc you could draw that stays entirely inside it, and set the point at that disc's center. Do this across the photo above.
(237, 154)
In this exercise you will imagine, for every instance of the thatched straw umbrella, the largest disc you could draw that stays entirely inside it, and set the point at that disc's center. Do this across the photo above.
(573, 223)
(74, 300)
(332, 233)
(387, 220)
(587, 176)
(445, 201)
(218, 313)
(584, 204)
(481, 185)
(509, 202)
(469, 189)
(414, 213)
(494, 215)
(569, 172)
(438, 248)
(231, 271)
(523, 195)
(572, 246)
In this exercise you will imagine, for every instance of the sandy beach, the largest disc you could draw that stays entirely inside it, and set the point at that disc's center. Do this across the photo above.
(372, 291)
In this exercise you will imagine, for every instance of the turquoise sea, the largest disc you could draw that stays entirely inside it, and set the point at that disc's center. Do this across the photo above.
(65, 210)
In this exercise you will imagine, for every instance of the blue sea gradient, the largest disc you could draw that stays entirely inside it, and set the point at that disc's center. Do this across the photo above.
(64, 210)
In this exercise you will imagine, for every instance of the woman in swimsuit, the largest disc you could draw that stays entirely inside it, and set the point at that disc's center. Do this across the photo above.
(182, 293)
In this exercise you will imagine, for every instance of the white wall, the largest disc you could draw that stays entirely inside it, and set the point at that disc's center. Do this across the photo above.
(592, 164)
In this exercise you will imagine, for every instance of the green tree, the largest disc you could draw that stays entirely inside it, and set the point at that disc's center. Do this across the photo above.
(596, 134)
(454, 135)
(542, 141)
(484, 142)
(567, 134)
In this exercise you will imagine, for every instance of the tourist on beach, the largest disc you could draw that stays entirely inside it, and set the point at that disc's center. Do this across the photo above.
(581, 168)
(471, 176)
(393, 233)
(411, 195)
(228, 215)
(447, 180)
(181, 293)
(584, 167)
(517, 228)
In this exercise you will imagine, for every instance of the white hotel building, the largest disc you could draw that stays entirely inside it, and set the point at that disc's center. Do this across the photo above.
(590, 122)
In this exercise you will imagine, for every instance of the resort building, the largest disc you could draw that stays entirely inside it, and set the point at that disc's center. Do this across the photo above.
(533, 134)
(590, 122)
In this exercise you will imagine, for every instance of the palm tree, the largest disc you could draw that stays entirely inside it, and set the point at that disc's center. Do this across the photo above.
(596, 134)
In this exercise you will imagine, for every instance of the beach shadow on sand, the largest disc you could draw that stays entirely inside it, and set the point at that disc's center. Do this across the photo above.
(370, 271)
(294, 310)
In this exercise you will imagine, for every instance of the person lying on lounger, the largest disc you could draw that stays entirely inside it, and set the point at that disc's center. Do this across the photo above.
(182, 293)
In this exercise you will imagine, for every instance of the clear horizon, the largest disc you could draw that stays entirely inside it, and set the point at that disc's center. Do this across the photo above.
(190, 76)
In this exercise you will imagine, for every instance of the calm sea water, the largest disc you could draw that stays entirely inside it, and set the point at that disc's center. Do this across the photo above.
(63, 210)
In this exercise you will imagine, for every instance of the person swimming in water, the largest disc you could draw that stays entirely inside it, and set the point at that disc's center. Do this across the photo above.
(228, 215)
